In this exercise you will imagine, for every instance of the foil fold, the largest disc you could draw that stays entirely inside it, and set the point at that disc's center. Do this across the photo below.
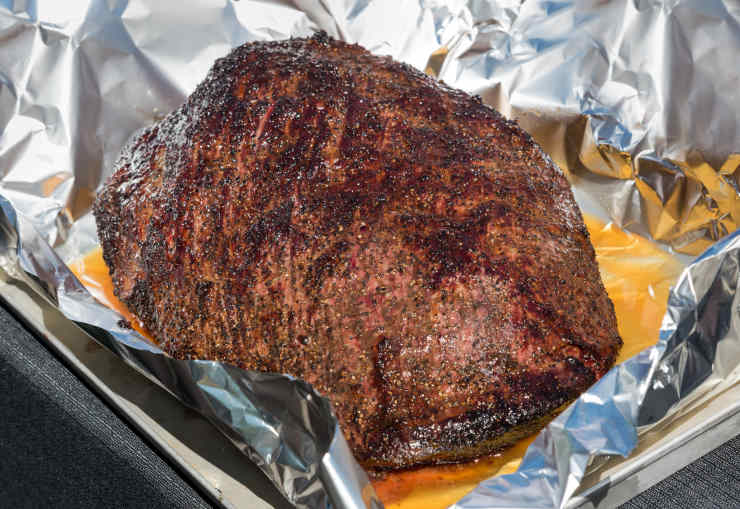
(636, 100)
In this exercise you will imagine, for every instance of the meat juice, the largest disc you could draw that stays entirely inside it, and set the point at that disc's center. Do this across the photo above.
(92, 272)
(637, 276)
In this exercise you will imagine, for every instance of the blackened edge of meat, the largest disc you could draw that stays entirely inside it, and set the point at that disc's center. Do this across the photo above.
(471, 437)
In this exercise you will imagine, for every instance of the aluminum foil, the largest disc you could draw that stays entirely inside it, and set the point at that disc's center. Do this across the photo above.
(636, 100)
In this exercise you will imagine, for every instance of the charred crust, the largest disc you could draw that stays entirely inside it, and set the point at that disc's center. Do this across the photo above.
(324, 265)
(471, 436)
(321, 37)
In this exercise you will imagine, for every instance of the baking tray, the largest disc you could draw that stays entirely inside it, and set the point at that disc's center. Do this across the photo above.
(211, 462)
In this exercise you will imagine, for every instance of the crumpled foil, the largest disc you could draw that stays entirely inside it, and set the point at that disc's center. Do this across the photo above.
(635, 99)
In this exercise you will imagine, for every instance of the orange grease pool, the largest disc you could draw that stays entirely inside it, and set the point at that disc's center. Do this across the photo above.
(637, 275)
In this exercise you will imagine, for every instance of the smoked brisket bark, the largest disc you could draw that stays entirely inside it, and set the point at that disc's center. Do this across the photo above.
(316, 210)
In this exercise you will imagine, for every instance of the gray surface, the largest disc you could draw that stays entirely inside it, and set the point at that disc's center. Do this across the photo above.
(711, 481)
(56, 437)
(61, 446)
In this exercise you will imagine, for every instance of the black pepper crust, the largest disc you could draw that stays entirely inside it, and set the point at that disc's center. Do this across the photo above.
(316, 210)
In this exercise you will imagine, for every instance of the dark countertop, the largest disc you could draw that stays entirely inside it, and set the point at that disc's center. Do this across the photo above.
(62, 446)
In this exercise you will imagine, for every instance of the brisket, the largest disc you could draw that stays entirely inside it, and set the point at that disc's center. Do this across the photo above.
(316, 210)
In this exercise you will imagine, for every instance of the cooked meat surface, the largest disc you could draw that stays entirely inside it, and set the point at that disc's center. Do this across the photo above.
(316, 210)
